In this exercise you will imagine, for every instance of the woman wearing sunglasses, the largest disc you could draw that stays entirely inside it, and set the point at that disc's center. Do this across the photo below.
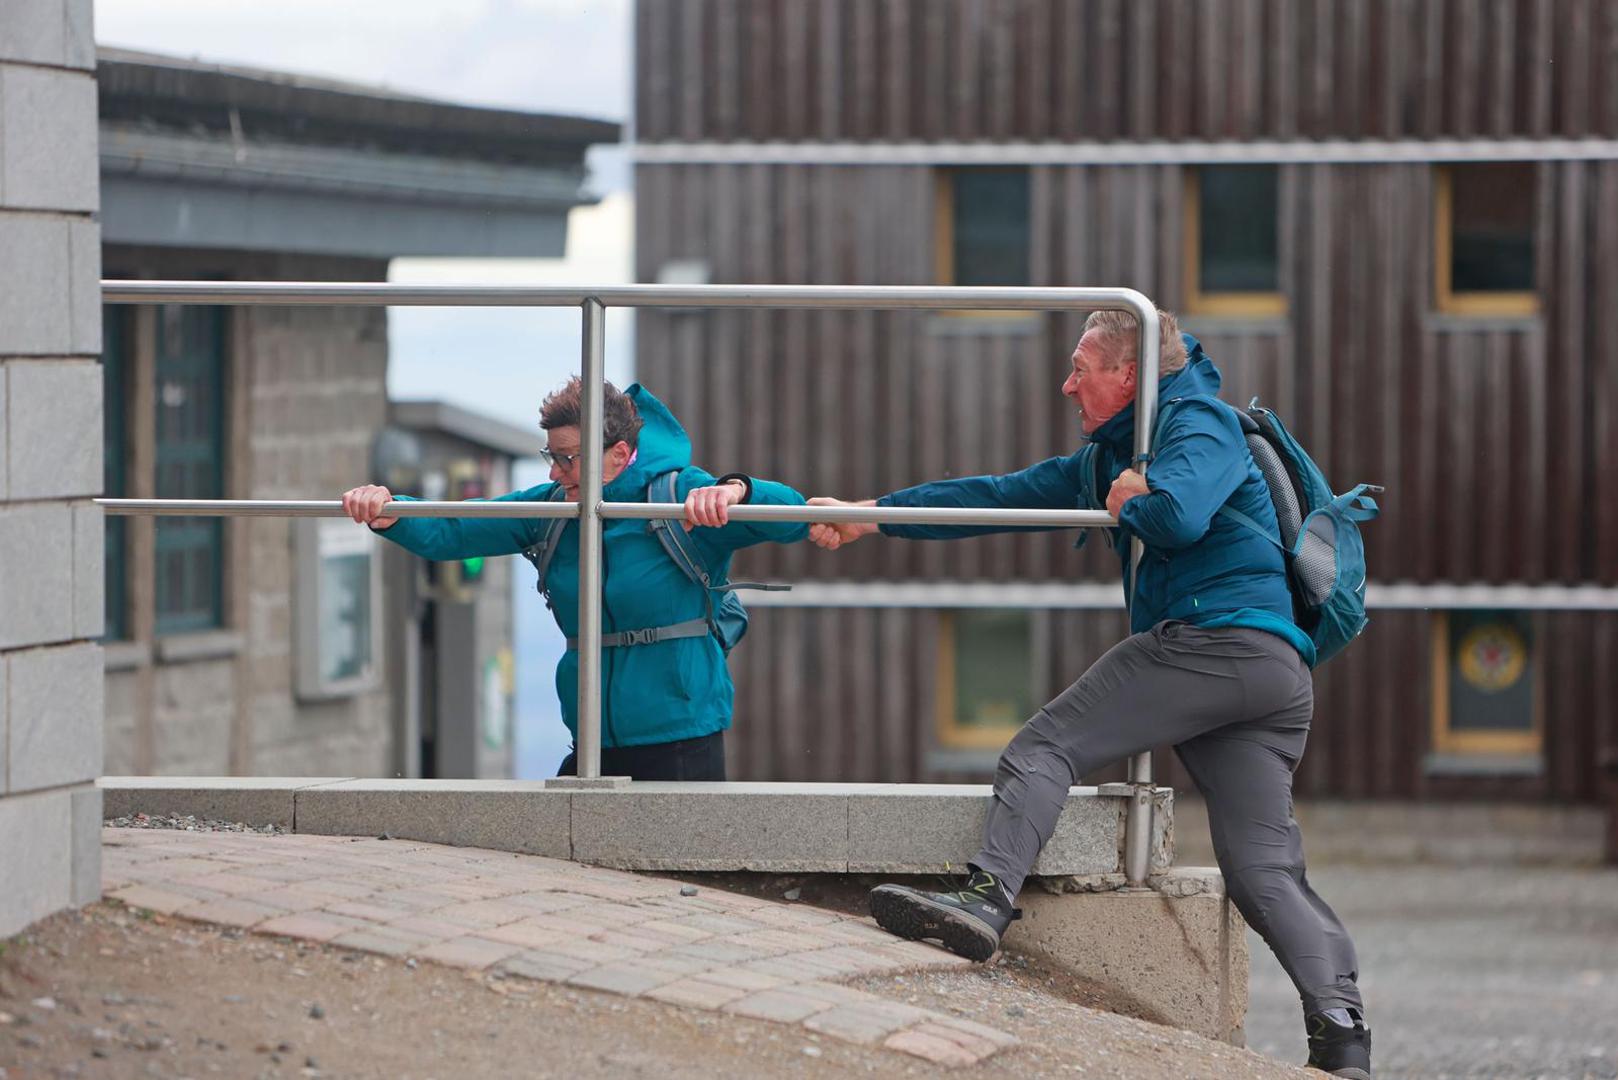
(666, 692)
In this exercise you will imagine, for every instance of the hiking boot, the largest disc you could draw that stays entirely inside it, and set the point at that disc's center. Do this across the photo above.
(1339, 1043)
(968, 923)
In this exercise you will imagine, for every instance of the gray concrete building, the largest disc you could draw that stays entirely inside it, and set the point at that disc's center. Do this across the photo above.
(50, 451)
(264, 646)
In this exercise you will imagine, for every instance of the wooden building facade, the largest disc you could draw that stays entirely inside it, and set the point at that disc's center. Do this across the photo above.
(1395, 222)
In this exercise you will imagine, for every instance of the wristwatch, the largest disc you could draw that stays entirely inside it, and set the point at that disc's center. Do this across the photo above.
(746, 482)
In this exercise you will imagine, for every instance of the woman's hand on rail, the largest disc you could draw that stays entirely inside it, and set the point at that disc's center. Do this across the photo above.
(710, 506)
(364, 505)
(833, 535)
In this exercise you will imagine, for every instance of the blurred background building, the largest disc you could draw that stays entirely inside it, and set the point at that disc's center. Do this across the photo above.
(297, 646)
(1395, 223)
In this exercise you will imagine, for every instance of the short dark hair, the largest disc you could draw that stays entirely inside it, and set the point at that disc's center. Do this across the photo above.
(619, 417)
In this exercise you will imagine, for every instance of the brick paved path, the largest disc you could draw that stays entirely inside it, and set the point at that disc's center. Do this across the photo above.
(549, 920)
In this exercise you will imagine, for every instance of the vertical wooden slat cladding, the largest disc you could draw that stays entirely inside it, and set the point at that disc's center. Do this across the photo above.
(1497, 439)
(1603, 390)
(848, 694)
(1456, 417)
(1138, 69)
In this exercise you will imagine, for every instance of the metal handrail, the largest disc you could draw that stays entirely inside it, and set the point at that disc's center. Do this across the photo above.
(591, 511)
(482, 508)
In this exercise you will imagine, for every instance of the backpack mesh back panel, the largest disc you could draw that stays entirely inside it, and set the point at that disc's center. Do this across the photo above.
(1287, 513)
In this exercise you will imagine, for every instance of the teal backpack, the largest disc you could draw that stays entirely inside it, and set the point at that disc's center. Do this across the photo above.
(1320, 531)
(725, 619)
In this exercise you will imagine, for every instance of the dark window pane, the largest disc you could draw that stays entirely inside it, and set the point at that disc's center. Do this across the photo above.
(190, 465)
(114, 448)
(1492, 232)
(993, 668)
(1491, 675)
(991, 226)
(1237, 229)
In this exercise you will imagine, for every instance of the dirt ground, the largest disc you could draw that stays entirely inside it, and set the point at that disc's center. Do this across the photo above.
(112, 992)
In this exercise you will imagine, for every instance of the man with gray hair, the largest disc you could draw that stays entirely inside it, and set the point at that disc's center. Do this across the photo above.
(1214, 665)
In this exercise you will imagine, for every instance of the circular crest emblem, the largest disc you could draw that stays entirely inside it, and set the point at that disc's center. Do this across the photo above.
(1493, 656)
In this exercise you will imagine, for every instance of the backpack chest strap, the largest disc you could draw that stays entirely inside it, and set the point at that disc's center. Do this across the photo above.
(650, 635)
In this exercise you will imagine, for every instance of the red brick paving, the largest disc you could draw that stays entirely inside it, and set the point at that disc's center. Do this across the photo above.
(548, 920)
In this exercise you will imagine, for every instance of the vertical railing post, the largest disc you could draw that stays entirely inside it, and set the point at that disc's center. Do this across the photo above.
(591, 452)
(1138, 815)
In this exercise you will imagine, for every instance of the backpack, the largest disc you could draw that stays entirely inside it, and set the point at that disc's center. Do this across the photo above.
(1320, 535)
(726, 620)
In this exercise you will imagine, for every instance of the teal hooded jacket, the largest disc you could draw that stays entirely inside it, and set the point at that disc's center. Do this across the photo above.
(1199, 567)
(670, 690)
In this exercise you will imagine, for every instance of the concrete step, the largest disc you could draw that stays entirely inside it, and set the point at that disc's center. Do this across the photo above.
(782, 828)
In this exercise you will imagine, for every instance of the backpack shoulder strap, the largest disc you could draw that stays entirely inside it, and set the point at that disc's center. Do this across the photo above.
(1226, 510)
(541, 553)
(675, 540)
(1242, 519)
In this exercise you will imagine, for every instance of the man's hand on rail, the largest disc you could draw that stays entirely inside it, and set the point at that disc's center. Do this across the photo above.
(364, 504)
(1128, 485)
(710, 506)
(833, 535)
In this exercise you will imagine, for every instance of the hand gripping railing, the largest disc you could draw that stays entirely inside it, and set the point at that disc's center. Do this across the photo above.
(591, 511)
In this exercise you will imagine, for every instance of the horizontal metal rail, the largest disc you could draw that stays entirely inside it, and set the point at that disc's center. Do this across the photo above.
(881, 515)
(332, 508)
(591, 511)
(887, 297)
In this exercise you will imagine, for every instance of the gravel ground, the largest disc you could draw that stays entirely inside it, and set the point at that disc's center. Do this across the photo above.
(112, 992)
(1468, 972)
(188, 823)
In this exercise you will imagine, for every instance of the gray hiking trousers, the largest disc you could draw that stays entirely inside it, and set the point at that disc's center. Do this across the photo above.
(1236, 704)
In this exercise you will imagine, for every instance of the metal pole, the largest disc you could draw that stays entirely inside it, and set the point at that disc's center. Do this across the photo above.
(588, 750)
(1138, 816)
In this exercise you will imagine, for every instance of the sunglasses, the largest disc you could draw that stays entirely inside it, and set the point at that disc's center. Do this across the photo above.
(565, 461)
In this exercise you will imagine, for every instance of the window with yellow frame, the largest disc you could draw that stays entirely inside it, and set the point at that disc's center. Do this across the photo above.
(981, 229)
(1487, 690)
(985, 676)
(1232, 241)
(1483, 243)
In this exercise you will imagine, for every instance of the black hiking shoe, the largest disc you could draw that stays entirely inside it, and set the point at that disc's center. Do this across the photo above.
(968, 923)
(1339, 1043)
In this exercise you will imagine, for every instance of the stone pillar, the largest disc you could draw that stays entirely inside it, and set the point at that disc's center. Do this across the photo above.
(51, 581)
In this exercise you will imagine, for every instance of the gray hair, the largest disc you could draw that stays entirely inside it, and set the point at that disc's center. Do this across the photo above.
(1120, 331)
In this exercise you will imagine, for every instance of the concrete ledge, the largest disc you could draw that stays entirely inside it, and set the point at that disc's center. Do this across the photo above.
(1177, 951)
(781, 828)
(251, 800)
(827, 828)
(512, 815)
(935, 828)
(672, 826)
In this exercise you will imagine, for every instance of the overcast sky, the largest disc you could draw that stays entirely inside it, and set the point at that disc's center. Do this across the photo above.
(567, 56)
(558, 56)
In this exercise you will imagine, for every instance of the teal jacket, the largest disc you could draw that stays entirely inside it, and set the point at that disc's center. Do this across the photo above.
(658, 693)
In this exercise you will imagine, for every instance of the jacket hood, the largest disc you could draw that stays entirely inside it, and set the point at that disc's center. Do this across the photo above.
(663, 446)
(1199, 376)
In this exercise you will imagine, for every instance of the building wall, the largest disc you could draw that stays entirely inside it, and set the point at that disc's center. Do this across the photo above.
(1461, 418)
(1011, 70)
(50, 452)
(307, 395)
(1465, 420)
